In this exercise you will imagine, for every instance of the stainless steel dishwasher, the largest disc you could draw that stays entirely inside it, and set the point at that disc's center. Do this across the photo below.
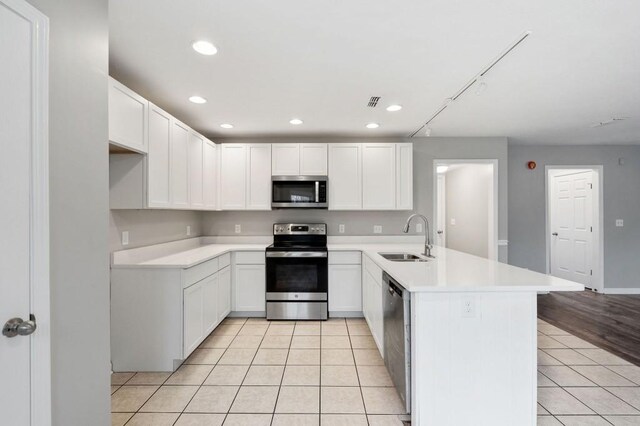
(397, 336)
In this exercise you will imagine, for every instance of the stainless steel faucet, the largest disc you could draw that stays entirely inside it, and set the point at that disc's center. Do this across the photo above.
(427, 240)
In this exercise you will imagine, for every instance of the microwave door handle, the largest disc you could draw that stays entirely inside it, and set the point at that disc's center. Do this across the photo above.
(317, 192)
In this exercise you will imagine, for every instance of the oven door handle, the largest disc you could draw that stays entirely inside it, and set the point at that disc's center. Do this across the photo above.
(296, 254)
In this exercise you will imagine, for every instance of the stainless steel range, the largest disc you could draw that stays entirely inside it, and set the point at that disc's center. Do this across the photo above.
(297, 272)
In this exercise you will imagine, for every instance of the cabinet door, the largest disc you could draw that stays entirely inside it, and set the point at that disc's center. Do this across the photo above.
(209, 303)
(233, 176)
(285, 160)
(313, 159)
(259, 176)
(366, 294)
(378, 176)
(404, 176)
(127, 117)
(192, 317)
(224, 293)
(210, 176)
(250, 288)
(377, 314)
(345, 288)
(158, 184)
(345, 176)
(196, 152)
(179, 165)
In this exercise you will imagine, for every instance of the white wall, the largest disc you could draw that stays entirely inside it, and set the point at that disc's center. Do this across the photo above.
(79, 185)
(527, 239)
(468, 200)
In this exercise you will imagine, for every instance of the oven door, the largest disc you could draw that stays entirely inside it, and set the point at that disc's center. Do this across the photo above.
(297, 275)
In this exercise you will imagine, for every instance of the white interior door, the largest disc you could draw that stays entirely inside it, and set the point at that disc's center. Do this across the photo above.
(23, 215)
(571, 221)
(441, 217)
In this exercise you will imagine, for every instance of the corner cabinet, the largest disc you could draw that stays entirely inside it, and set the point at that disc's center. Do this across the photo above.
(249, 283)
(127, 117)
(245, 176)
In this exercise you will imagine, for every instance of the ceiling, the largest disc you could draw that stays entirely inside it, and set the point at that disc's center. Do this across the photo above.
(321, 61)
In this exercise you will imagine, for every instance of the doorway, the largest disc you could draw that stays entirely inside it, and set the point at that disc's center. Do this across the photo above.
(574, 224)
(466, 206)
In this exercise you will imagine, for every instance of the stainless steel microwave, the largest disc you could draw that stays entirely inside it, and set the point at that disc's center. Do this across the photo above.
(303, 192)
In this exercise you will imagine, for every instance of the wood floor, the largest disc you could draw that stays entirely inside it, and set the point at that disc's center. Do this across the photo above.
(611, 322)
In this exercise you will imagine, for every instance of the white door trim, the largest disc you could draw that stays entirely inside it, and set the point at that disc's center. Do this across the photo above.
(493, 240)
(598, 212)
(39, 220)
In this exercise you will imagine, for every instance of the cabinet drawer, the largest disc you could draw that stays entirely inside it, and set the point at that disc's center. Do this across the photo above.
(345, 258)
(198, 272)
(373, 269)
(224, 260)
(250, 258)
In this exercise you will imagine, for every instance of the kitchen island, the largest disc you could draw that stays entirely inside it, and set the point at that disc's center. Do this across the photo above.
(473, 323)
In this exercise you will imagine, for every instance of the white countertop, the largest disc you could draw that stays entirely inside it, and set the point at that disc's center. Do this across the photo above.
(450, 271)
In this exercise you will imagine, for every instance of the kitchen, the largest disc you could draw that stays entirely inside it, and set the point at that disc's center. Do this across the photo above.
(292, 236)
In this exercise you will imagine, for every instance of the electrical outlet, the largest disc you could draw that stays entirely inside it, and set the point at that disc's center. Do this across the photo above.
(619, 223)
(377, 229)
(468, 307)
(418, 227)
(188, 230)
(125, 238)
(238, 229)
(341, 228)
(453, 221)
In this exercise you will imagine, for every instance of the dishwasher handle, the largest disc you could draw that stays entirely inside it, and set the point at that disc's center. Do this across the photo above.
(393, 287)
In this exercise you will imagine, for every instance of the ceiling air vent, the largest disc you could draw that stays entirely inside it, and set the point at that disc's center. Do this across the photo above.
(610, 121)
(373, 101)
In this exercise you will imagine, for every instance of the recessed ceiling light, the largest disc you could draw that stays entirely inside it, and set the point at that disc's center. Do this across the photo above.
(442, 169)
(204, 48)
(226, 126)
(198, 100)
(394, 108)
(373, 126)
(295, 121)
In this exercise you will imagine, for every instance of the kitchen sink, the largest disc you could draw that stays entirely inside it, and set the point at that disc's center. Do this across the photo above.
(403, 257)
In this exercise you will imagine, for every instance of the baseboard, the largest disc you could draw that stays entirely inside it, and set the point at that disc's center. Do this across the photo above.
(621, 290)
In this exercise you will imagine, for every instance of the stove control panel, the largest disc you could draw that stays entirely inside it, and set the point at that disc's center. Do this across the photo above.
(300, 229)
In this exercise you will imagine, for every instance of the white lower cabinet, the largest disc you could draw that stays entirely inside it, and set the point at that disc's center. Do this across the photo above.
(250, 289)
(193, 316)
(345, 283)
(372, 301)
(210, 294)
(224, 292)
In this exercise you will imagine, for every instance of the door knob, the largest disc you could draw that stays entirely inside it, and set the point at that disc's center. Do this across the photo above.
(16, 326)
(555, 234)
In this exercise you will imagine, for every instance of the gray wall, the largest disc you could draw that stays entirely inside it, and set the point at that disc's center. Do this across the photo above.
(527, 246)
(151, 226)
(78, 214)
(361, 222)
(468, 196)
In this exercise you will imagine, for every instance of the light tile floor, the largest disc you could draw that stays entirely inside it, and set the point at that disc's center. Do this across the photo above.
(254, 372)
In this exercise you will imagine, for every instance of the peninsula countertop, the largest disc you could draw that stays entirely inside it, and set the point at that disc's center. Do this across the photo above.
(449, 271)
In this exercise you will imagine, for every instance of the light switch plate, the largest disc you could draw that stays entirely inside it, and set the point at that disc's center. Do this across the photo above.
(377, 229)
(238, 229)
(125, 238)
(453, 221)
(619, 223)
(341, 228)
(418, 227)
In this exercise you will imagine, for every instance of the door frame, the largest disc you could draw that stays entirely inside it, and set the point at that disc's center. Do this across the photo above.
(598, 223)
(40, 352)
(493, 236)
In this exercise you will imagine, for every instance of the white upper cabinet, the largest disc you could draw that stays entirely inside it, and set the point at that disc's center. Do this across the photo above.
(158, 158)
(210, 175)
(345, 176)
(378, 176)
(285, 160)
(404, 176)
(127, 117)
(179, 165)
(258, 186)
(233, 176)
(196, 171)
(293, 159)
(313, 159)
